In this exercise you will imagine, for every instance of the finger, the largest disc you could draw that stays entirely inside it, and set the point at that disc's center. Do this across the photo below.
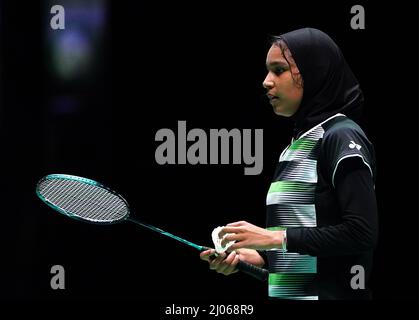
(237, 224)
(234, 263)
(207, 252)
(231, 267)
(220, 267)
(219, 263)
(229, 230)
(214, 264)
(232, 237)
(239, 245)
(218, 259)
(236, 260)
(230, 257)
(213, 255)
(224, 267)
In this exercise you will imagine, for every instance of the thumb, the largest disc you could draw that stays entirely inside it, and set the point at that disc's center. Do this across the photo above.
(205, 255)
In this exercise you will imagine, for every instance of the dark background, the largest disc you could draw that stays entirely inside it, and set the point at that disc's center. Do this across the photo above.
(150, 66)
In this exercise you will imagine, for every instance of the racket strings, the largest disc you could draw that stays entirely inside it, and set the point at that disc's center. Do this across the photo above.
(84, 200)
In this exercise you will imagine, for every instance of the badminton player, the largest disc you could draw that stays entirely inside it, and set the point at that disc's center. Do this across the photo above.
(321, 205)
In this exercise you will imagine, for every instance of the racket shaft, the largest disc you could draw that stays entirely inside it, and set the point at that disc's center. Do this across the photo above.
(250, 269)
(168, 234)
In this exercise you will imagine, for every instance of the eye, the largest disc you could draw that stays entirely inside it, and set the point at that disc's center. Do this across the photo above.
(278, 70)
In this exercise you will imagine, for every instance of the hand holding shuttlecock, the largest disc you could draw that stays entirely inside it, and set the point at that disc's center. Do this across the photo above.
(219, 248)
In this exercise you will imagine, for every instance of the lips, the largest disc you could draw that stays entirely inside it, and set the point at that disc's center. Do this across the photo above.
(272, 97)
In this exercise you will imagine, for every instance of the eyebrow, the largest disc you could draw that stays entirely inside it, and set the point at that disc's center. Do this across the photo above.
(276, 63)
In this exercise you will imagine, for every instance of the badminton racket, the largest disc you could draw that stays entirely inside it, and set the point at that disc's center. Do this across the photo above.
(90, 201)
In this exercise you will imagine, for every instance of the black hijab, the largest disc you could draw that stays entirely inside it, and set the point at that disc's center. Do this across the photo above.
(330, 87)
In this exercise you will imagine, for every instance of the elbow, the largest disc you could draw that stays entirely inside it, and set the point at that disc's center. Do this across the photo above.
(366, 240)
(367, 245)
(363, 232)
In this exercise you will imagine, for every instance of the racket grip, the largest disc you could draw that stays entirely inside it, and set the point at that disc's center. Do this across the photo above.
(254, 271)
(250, 269)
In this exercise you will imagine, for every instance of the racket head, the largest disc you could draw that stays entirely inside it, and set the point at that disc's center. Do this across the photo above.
(82, 199)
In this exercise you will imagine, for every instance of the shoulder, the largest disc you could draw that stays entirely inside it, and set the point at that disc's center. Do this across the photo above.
(343, 128)
(344, 139)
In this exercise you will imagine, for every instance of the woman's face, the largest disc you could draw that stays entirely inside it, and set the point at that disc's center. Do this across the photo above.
(283, 90)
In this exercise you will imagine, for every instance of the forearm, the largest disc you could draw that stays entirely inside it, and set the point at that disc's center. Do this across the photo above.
(359, 227)
(342, 239)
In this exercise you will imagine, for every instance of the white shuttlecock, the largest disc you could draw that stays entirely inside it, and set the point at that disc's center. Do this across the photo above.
(217, 241)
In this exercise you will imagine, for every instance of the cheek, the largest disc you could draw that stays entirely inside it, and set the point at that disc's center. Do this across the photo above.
(297, 94)
(292, 91)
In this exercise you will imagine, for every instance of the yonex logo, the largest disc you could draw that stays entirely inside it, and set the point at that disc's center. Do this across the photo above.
(354, 145)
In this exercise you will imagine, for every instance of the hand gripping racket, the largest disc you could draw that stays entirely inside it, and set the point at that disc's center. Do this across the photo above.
(90, 201)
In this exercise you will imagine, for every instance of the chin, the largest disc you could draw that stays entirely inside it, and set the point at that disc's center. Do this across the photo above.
(281, 113)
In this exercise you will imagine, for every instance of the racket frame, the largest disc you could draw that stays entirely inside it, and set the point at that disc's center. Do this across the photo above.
(87, 181)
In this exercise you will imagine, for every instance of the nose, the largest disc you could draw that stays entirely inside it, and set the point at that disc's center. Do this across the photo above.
(268, 83)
